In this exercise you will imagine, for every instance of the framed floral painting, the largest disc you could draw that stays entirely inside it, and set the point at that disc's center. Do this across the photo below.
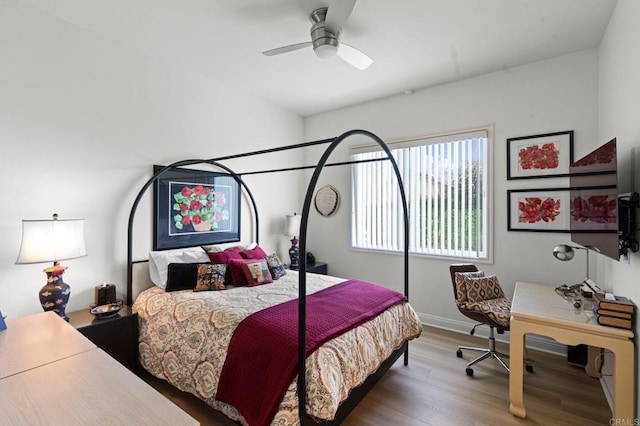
(540, 156)
(195, 207)
(544, 210)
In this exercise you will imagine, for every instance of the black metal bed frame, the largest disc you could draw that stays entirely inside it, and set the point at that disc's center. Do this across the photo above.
(358, 393)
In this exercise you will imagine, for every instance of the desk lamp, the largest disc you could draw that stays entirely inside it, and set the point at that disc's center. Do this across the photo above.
(292, 229)
(566, 252)
(52, 240)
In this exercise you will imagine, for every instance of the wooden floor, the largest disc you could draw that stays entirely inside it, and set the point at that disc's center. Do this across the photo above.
(434, 390)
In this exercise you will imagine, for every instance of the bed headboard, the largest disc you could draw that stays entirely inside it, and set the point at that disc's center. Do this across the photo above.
(140, 278)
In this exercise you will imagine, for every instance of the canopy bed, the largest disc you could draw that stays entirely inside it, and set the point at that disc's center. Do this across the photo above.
(337, 350)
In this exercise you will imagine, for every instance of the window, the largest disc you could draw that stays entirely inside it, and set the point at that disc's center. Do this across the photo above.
(446, 181)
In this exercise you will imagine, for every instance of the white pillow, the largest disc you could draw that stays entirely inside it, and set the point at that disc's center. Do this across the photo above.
(159, 262)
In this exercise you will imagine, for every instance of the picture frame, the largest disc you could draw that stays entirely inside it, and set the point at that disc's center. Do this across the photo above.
(194, 207)
(540, 156)
(539, 210)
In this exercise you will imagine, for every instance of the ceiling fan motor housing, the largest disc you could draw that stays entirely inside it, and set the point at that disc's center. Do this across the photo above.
(325, 43)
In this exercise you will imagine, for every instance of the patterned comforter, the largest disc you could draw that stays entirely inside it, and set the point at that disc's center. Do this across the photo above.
(184, 337)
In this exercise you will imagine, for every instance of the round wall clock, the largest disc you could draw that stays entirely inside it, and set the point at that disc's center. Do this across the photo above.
(327, 201)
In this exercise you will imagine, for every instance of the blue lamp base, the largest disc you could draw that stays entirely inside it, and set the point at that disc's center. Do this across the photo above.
(294, 253)
(55, 293)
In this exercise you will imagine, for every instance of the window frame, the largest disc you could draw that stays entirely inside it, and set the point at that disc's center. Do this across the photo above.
(425, 140)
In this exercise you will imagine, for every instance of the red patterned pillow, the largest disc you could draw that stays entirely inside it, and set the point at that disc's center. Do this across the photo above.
(256, 272)
(254, 253)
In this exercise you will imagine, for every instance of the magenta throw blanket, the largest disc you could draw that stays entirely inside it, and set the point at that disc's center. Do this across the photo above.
(262, 359)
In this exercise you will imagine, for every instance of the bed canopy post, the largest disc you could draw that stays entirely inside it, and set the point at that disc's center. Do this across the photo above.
(302, 269)
(146, 186)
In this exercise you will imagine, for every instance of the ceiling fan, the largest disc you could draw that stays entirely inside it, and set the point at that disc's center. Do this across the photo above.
(325, 36)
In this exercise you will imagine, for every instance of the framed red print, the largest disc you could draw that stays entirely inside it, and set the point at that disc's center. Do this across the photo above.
(540, 156)
(542, 210)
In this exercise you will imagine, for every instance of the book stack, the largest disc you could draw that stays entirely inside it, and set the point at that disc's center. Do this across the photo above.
(616, 311)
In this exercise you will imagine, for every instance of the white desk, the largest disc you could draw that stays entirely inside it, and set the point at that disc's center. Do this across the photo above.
(51, 374)
(538, 309)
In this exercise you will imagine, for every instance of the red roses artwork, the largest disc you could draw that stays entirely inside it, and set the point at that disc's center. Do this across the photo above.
(194, 208)
(200, 207)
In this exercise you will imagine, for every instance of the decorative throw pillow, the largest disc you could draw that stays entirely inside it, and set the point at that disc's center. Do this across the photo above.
(159, 262)
(235, 274)
(182, 276)
(224, 257)
(483, 288)
(210, 277)
(256, 272)
(461, 286)
(254, 253)
(276, 267)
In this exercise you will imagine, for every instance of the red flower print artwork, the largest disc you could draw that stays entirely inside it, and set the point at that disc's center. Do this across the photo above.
(536, 209)
(535, 157)
(198, 208)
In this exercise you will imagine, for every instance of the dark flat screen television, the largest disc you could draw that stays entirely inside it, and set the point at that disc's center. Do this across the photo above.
(603, 201)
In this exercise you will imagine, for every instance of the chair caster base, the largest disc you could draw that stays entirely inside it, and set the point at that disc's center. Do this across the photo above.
(469, 371)
(528, 367)
(459, 353)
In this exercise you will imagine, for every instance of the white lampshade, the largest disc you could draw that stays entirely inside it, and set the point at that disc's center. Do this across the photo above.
(292, 225)
(51, 240)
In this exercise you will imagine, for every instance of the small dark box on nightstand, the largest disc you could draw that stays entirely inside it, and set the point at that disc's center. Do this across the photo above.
(105, 294)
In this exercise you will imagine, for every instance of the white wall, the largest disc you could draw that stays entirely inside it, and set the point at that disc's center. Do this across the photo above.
(619, 91)
(82, 121)
(553, 95)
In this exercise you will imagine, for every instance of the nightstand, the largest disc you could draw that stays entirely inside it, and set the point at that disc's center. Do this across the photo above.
(117, 336)
(316, 268)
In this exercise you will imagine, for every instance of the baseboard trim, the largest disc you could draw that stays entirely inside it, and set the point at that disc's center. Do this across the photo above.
(540, 343)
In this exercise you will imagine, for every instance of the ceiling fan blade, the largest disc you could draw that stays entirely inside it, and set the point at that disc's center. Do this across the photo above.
(337, 14)
(354, 57)
(285, 49)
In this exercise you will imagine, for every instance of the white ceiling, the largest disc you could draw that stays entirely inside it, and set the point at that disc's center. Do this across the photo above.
(414, 43)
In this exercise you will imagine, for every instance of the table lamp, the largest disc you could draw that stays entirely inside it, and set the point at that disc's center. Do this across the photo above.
(566, 252)
(292, 229)
(52, 240)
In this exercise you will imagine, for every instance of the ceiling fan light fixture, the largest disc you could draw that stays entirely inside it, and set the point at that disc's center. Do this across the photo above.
(326, 51)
